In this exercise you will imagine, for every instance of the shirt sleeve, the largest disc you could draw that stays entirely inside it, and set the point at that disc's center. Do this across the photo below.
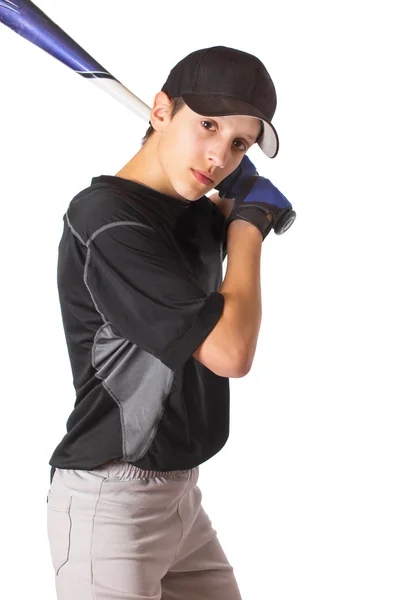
(140, 286)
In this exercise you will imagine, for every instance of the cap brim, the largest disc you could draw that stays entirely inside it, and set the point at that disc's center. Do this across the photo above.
(215, 105)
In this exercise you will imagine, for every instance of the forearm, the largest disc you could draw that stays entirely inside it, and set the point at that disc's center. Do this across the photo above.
(241, 318)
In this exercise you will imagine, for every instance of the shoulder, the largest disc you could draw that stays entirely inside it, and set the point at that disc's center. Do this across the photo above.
(101, 205)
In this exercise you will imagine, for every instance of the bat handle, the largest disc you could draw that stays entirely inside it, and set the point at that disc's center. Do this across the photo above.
(116, 89)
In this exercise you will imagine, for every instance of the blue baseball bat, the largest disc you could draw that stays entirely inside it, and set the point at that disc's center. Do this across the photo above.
(26, 19)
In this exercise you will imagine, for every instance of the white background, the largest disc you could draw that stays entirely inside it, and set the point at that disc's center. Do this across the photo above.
(305, 495)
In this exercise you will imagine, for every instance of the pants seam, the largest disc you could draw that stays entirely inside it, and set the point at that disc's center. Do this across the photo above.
(91, 543)
(181, 520)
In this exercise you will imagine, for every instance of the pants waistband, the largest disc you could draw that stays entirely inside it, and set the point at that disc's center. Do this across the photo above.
(126, 470)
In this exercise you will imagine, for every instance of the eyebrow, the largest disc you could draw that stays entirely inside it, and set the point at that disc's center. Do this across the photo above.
(256, 138)
(251, 137)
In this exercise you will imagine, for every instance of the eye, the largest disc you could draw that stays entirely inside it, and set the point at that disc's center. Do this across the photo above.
(242, 149)
(209, 122)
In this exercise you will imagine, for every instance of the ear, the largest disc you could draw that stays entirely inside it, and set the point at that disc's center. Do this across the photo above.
(159, 116)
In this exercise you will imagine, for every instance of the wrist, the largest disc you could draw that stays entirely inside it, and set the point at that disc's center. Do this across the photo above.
(238, 227)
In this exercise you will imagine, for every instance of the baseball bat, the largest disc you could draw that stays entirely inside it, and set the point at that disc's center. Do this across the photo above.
(26, 19)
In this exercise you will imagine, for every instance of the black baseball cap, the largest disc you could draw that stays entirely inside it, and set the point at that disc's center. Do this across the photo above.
(221, 81)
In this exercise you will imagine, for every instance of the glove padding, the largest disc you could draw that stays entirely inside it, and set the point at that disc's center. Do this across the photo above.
(255, 198)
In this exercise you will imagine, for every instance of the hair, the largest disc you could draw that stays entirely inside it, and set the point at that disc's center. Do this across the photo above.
(177, 104)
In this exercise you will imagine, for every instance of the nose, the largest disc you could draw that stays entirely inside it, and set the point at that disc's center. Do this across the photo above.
(218, 153)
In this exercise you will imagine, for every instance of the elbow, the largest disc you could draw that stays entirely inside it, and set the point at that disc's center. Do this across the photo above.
(244, 370)
(243, 365)
(233, 366)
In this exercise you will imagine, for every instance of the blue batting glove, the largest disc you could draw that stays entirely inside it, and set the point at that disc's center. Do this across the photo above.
(230, 186)
(256, 198)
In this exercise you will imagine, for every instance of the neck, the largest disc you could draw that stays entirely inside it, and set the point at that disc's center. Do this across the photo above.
(144, 167)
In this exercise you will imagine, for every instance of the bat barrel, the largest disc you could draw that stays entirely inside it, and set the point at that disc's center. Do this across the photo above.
(26, 19)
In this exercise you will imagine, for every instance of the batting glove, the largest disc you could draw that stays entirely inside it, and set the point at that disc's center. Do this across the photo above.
(255, 198)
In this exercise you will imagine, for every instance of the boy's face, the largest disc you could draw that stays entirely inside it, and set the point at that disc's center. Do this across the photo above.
(214, 145)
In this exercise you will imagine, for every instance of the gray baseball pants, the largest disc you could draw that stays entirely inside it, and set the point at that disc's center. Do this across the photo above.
(121, 533)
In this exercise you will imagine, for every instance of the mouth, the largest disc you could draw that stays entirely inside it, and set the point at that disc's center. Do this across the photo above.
(202, 178)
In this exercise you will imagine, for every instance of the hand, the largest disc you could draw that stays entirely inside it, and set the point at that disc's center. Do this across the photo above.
(255, 195)
(257, 201)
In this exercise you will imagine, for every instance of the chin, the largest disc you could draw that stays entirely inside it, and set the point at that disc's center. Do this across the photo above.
(189, 192)
(192, 196)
